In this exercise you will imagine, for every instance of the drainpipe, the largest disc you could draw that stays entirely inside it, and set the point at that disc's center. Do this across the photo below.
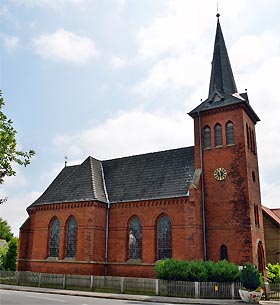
(107, 222)
(202, 189)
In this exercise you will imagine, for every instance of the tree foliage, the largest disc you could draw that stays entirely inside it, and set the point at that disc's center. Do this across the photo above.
(8, 252)
(9, 155)
(10, 259)
(5, 230)
(273, 273)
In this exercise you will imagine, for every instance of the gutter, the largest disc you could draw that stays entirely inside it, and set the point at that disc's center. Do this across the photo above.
(202, 189)
(107, 222)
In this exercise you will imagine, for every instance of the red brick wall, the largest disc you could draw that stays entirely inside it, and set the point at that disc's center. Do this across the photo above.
(184, 215)
(229, 204)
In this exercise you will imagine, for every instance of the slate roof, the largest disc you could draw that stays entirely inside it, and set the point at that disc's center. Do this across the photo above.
(273, 216)
(222, 87)
(221, 74)
(163, 174)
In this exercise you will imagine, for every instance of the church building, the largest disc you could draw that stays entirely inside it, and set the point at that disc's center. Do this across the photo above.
(119, 217)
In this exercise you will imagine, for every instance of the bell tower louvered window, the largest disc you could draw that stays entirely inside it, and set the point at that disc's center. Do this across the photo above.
(164, 238)
(71, 242)
(135, 239)
(207, 137)
(229, 133)
(218, 135)
(54, 238)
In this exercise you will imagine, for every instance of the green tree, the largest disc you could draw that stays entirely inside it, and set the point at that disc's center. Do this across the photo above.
(10, 260)
(5, 230)
(9, 155)
(273, 273)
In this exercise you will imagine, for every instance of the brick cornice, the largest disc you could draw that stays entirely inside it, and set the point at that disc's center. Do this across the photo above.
(67, 205)
(149, 203)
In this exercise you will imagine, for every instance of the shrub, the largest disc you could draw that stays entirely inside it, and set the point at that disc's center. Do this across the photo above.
(197, 271)
(250, 277)
(273, 273)
(169, 269)
(224, 271)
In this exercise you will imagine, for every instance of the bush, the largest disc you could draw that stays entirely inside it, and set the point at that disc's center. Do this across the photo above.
(250, 277)
(197, 271)
(273, 273)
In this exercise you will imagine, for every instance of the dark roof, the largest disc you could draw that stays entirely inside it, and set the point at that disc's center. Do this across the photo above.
(221, 74)
(76, 183)
(156, 175)
(272, 215)
(222, 87)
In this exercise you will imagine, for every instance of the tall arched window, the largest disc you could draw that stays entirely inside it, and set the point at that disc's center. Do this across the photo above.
(207, 137)
(71, 241)
(54, 238)
(229, 133)
(135, 239)
(164, 238)
(224, 252)
(248, 137)
(254, 142)
(218, 135)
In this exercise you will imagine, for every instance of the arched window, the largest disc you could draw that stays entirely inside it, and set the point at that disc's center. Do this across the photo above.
(218, 135)
(135, 239)
(71, 241)
(248, 137)
(207, 137)
(229, 133)
(261, 259)
(164, 238)
(256, 214)
(224, 252)
(254, 143)
(54, 238)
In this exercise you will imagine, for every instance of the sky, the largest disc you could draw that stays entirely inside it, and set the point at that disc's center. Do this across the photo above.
(112, 78)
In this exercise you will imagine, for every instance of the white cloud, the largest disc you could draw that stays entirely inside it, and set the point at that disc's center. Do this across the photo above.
(52, 4)
(14, 210)
(65, 46)
(11, 42)
(118, 62)
(127, 134)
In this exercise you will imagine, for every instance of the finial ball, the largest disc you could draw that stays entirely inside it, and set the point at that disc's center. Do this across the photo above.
(218, 15)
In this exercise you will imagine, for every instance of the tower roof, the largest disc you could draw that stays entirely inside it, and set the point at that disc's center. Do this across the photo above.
(221, 74)
(222, 88)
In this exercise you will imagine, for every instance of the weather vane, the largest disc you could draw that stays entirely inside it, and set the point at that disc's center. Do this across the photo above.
(65, 162)
(218, 15)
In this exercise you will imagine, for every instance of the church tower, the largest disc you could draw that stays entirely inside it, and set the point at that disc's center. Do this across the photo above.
(226, 152)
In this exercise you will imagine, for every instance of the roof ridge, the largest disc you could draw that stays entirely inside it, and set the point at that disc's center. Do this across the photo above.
(92, 176)
(149, 153)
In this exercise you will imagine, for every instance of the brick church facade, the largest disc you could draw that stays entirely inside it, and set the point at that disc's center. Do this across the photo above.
(118, 217)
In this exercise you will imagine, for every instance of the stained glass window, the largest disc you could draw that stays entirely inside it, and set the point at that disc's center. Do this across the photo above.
(229, 133)
(71, 242)
(164, 238)
(207, 137)
(54, 238)
(135, 239)
(224, 252)
(218, 135)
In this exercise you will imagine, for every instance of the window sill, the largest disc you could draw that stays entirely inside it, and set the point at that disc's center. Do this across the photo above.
(134, 261)
(207, 148)
(229, 145)
(51, 258)
(219, 146)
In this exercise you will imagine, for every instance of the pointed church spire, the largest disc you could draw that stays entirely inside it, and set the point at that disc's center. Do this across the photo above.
(221, 74)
